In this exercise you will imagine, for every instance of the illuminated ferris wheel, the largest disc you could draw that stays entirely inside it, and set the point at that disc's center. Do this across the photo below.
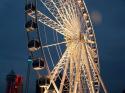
(62, 46)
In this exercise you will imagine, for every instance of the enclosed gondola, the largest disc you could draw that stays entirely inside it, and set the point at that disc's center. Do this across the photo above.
(38, 64)
(31, 25)
(34, 45)
(44, 81)
(30, 8)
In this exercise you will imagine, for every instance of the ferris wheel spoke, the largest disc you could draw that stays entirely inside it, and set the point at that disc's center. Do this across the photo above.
(56, 8)
(55, 87)
(78, 71)
(51, 45)
(50, 23)
(95, 79)
(62, 62)
(77, 9)
(63, 22)
(63, 9)
(96, 73)
(72, 65)
(74, 13)
(91, 57)
(57, 69)
(96, 70)
(99, 77)
(71, 8)
(63, 77)
(56, 12)
(85, 77)
(85, 61)
(53, 10)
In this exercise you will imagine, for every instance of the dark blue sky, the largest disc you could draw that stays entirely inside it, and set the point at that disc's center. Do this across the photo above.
(110, 34)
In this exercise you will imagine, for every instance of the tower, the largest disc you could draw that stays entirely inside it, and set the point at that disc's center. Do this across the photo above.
(14, 83)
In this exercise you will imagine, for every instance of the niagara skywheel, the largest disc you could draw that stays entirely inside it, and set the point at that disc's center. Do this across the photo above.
(62, 46)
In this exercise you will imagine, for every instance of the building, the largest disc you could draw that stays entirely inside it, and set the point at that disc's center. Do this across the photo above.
(14, 83)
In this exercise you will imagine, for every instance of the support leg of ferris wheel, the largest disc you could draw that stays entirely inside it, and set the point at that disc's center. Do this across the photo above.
(99, 77)
(77, 65)
(71, 73)
(57, 91)
(80, 86)
(63, 77)
(86, 63)
(62, 63)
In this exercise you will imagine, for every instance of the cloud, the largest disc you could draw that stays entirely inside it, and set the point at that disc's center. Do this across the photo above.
(96, 17)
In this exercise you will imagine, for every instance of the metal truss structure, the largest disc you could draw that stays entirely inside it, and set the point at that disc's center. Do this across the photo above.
(73, 67)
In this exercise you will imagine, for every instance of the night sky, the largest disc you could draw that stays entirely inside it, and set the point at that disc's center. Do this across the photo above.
(110, 35)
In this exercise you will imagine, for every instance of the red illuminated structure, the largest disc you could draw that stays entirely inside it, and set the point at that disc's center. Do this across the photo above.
(14, 83)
